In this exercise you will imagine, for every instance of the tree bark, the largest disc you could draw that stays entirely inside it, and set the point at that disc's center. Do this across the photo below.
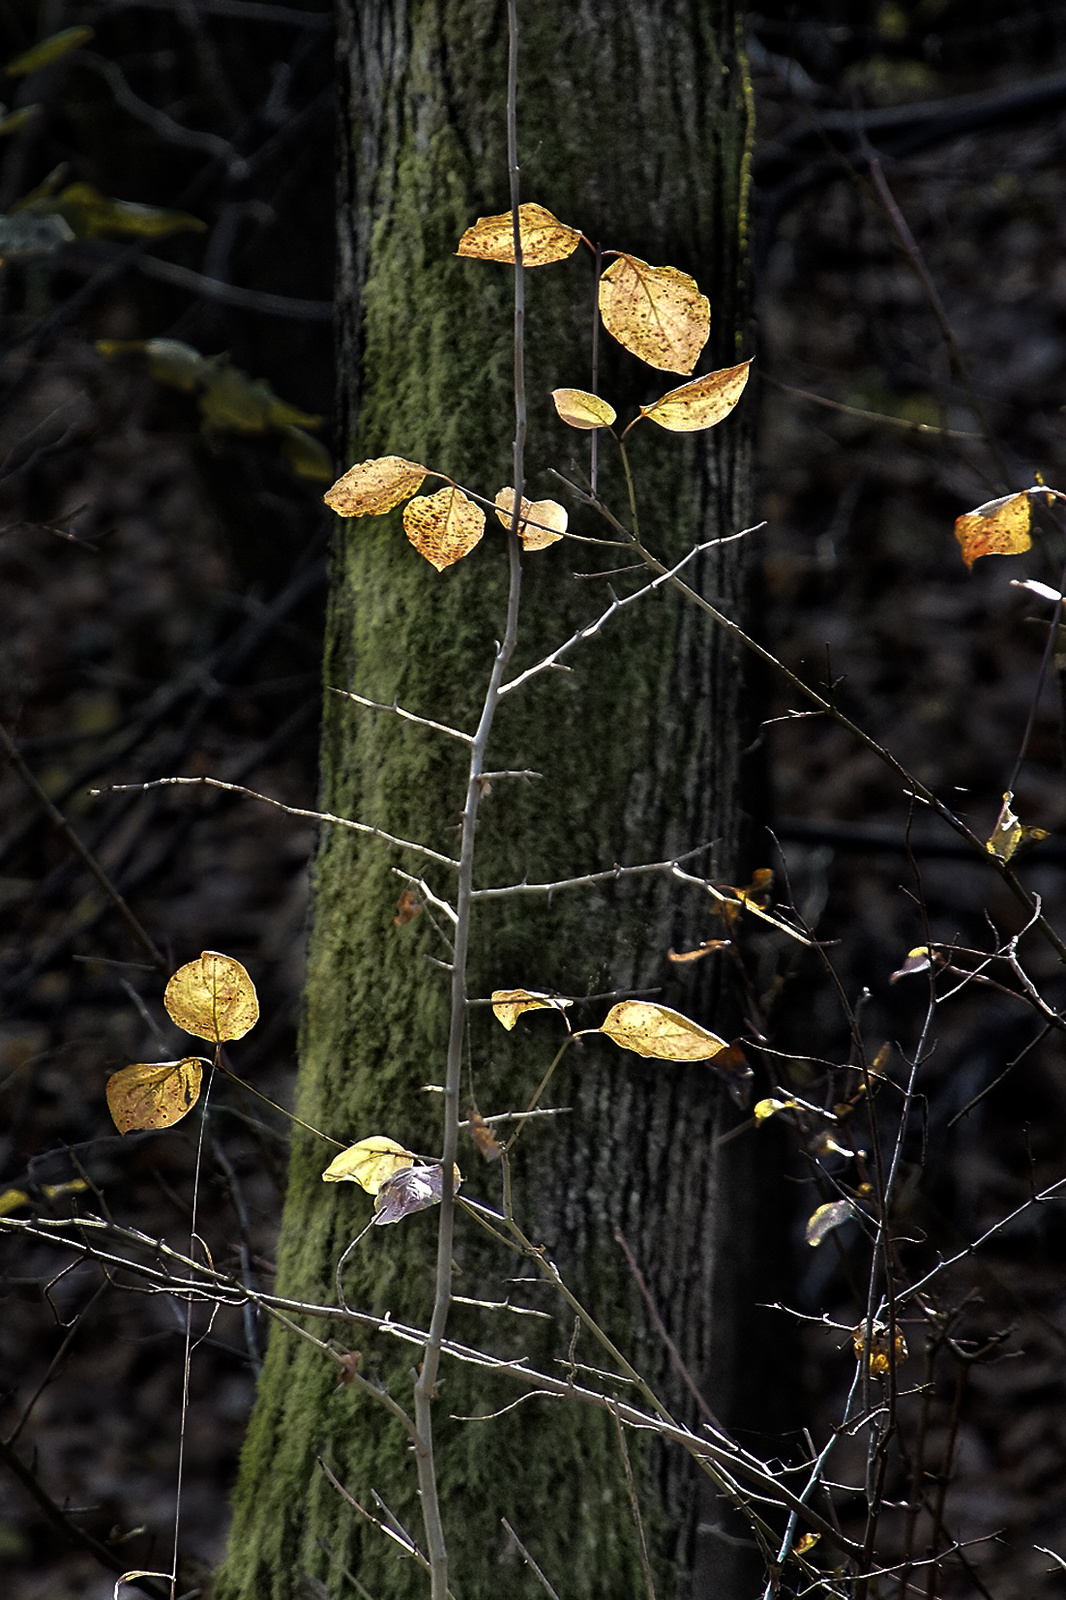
(633, 125)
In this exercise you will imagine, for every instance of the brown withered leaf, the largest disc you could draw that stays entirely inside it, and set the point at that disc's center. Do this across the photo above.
(543, 521)
(412, 1189)
(408, 907)
(444, 527)
(733, 1066)
(483, 1136)
(998, 528)
(154, 1094)
(544, 238)
(659, 1033)
(700, 951)
(349, 1366)
(657, 313)
(700, 404)
(213, 998)
(509, 1004)
(371, 488)
(579, 409)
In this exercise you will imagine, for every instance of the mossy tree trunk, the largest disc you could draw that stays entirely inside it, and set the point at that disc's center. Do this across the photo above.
(633, 125)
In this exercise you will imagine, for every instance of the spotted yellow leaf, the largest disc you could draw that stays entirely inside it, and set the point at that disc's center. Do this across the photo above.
(543, 521)
(998, 528)
(579, 409)
(213, 998)
(444, 527)
(153, 1094)
(371, 488)
(656, 1031)
(544, 238)
(657, 313)
(700, 404)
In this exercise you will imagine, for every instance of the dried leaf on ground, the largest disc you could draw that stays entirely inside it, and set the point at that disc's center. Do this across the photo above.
(656, 1031)
(444, 527)
(544, 238)
(370, 1163)
(213, 998)
(700, 404)
(371, 488)
(154, 1094)
(543, 521)
(657, 313)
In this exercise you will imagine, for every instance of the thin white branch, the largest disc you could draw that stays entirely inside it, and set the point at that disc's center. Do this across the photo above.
(743, 905)
(443, 906)
(292, 811)
(608, 875)
(406, 716)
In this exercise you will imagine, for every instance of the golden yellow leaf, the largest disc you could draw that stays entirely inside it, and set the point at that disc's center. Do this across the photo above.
(544, 238)
(1010, 837)
(444, 527)
(700, 404)
(11, 1199)
(822, 1222)
(998, 528)
(153, 1094)
(48, 50)
(233, 400)
(370, 1163)
(808, 1542)
(657, 313)
(881, 1354)
(509, 1004)
(770, 1108)
(656, 1031)
(170, 361)
(56, 1191)
(93, 215)
(307, 457)
(543, 521)
(371, 488)
(580, 409)
(213, 998)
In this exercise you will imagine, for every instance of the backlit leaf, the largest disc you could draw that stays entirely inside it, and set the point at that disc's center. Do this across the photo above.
(483, 1136)
(48, 50)
(308, 457)
(371, 488)
(509, 1004)
(544, 238)
(369, 1163)
(699, 404)
(1011, 837)
(444, 527)
(998, 528)
(881, 1354)
(656, 1031)
(580, 409)
(546, 522)
(153, 1094)
(769, 1108)
(821, 1224)
(213, 998)
(11, 1199)
(657, 313)
(412, 1189)
(93, 215)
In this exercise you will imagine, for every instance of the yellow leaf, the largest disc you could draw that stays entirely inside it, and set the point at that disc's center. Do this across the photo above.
(580, 409)
(55, 1191)
(444, 527)
(153, 1094)
(371, 488)
(821, 1224)
(770, 1108)
(544, 238)
(170, 361)
(233, 400)
(307, 457)
(11, 1199)
(94, 215)
(546, 522)
(656, 1031)
(18, 119)
(998, 528)
(370, 1163)
(881, 1355)
(48, 50)
(700, 404)
(509, 1004)
(213, 998)
(657, 313)
(1007, 833)
(808, 1542)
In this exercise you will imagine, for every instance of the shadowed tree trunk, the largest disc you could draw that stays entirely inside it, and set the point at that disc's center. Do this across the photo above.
(633, 126)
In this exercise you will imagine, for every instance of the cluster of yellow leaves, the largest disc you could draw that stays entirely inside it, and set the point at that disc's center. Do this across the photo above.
(638, 1025)
(212, 998)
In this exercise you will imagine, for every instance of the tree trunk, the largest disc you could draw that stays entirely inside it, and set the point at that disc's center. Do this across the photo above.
(633, 123)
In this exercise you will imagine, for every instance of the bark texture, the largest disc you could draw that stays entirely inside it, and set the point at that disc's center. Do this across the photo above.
(633, 125)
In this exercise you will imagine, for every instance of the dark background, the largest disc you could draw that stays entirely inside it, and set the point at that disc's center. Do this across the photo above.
(161, 591)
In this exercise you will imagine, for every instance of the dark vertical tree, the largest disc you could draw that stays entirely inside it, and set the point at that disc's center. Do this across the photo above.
(633, 125)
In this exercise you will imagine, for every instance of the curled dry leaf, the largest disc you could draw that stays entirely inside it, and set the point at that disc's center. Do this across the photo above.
(769, 1108)
(822, 1222)
(509, 1004)
(408, 907)
(154, 1094)
(544, 238)
(882, 1353)
(700, 404)
(1011, 837)
(543, 521)
(579, 409)
(657, 313)
(700, 951)
(370, 1163)
(371, 488)
(658, 1032)
(213, 998)
(444, 527)
(483, 1136)
(410, 1189)
(998, 528)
